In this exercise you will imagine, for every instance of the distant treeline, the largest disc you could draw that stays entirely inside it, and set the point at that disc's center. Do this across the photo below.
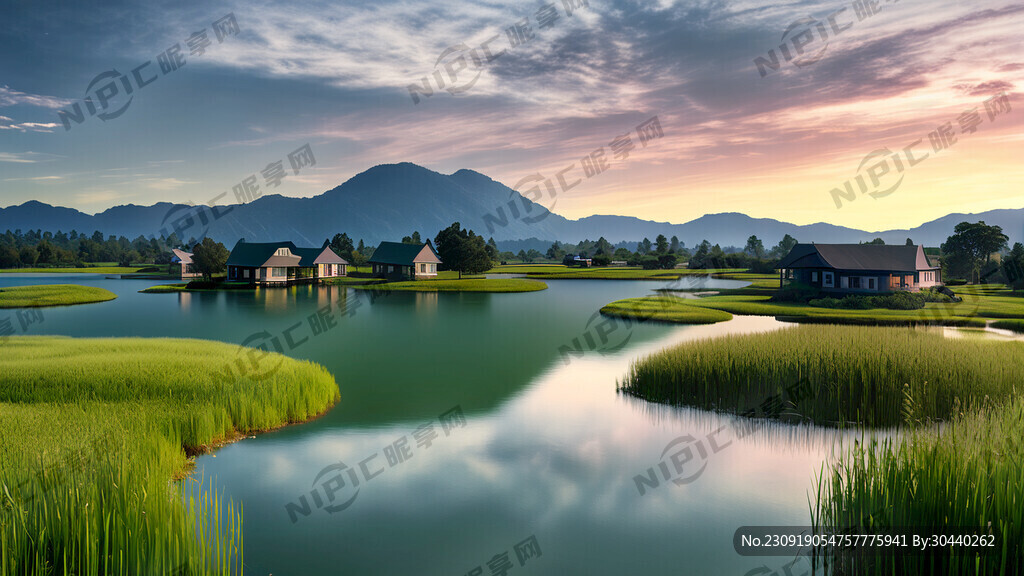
(37, 248)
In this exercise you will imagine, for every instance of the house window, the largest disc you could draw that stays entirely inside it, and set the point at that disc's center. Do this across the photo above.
(423, 268)
(245, 273)
(829, 279)
(855, 282)
(871, 283)
(279, 271)
(814, 276)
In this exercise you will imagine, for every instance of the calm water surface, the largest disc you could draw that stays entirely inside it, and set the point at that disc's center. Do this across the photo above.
(547, 449)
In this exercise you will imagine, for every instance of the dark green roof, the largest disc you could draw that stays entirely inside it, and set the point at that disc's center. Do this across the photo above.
(254, 254)
(398, 254)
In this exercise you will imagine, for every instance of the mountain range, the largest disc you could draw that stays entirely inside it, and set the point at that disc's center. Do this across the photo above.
(390, 201)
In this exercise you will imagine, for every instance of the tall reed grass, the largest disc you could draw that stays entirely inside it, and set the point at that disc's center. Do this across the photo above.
(873, 376)
(93, 432)
(967, 474)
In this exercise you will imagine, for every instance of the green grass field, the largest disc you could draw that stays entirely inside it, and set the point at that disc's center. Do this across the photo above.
(663, 309)
(561, 272)
(464, 285)
(92, 430)
(52, 295)
(978, 305)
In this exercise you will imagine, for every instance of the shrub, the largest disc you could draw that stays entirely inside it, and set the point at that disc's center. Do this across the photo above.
(649, 263)
(795, 292)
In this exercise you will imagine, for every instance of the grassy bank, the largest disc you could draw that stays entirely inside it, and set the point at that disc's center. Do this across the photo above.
(52, 295)
(464, 285)
(560, 272)
(1014, 325)
(868, 375)
(663, 309)
(966, 475)
(92, 430)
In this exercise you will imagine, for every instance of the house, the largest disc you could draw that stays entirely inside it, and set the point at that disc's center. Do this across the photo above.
(182, 261)
(859, 267)
(582, 262)
(407, 261)
(283, 263)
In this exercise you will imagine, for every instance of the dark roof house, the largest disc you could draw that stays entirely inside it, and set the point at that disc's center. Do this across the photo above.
(283, 263)
(859, 267)
(412, 261)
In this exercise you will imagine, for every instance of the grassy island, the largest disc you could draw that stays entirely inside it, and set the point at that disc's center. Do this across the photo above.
(52, 295)
(92, 431)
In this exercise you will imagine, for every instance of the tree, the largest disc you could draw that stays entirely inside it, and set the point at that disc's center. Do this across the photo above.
(210, 258)
(754, 247)
(9, 257)
(674, 245)
(661, 244)
(647, 246)
(1013, 266)
(342, 246)
(492, 249)
(667, 261)
(700, 257)
(910, 242)
(972, 245)
(876, 241)
(523, 257)
(603, 247)
(784, 247)
(555, 252)
(28, 256)
(462, 250)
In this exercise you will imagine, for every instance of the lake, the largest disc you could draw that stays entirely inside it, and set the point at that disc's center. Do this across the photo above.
(528, 437)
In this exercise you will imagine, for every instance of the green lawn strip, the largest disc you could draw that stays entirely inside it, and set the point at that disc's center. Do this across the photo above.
(92, 430)
(465, 285)
(165, 288)
(52, 295)
(663, 309)
(934, 313)
(1014, 325)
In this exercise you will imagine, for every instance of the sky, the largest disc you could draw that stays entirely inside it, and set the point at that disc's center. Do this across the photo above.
(873, 90)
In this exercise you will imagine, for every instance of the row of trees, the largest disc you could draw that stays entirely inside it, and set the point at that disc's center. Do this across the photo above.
(37, 248)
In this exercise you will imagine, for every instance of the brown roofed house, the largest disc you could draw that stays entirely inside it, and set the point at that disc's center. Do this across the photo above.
(859, 267)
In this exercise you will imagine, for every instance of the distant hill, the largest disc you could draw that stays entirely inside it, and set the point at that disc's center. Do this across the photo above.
(389, 201)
